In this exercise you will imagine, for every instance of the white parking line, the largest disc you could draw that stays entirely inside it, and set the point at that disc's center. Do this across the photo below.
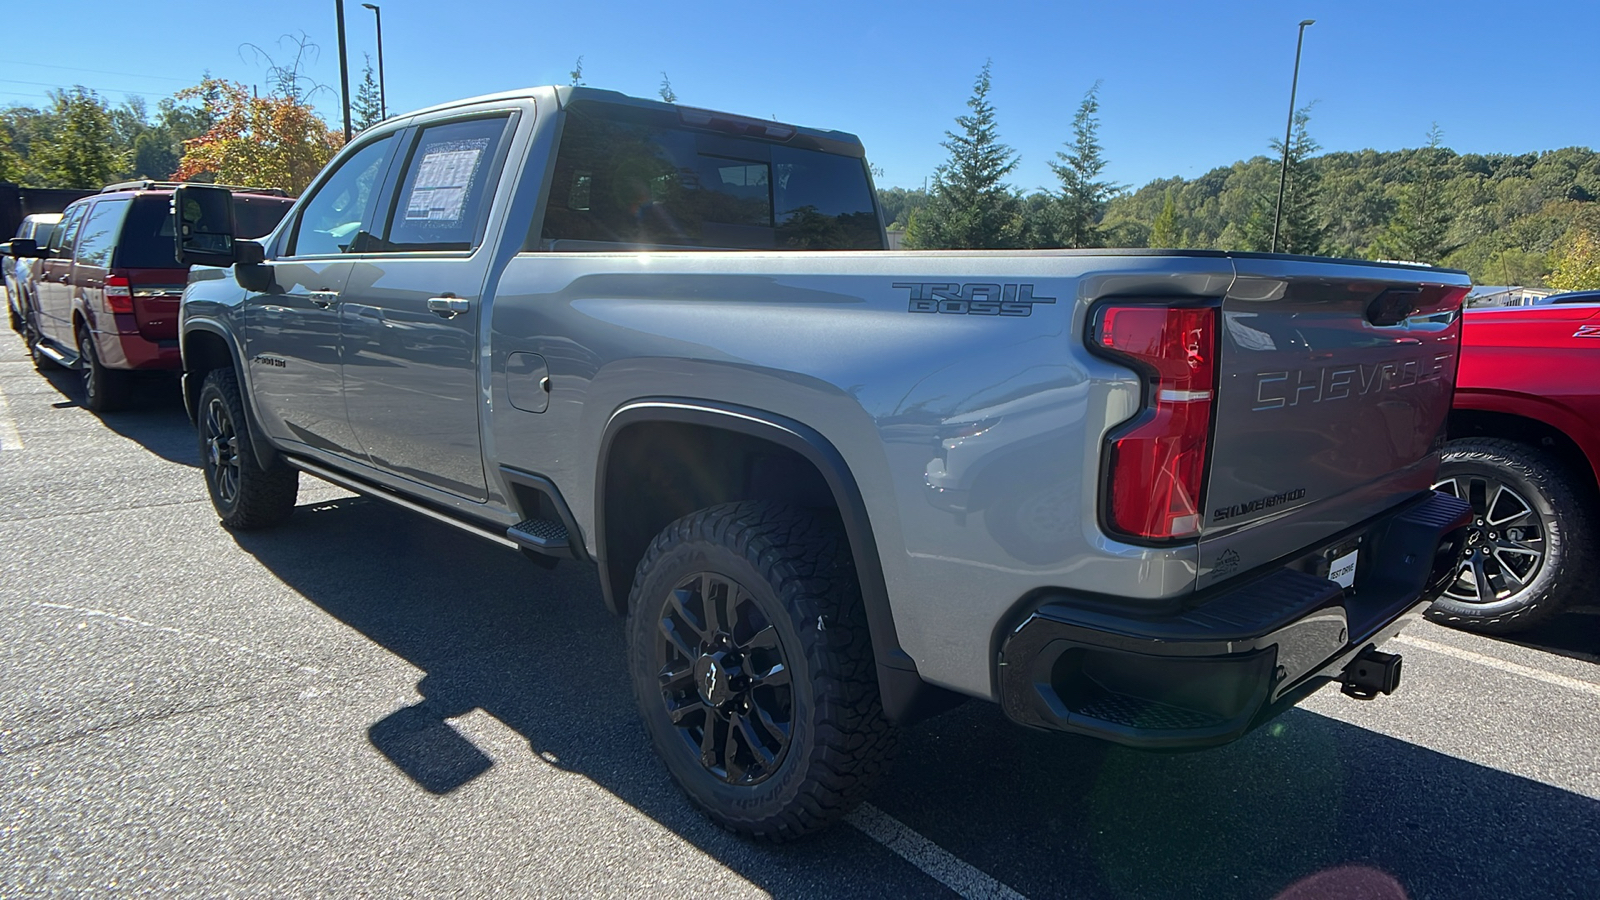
(935, 861)
(9, 439)
(1566, 681)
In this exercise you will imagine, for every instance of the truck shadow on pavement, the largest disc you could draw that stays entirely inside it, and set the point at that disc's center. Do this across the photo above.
(1046, 814)
(1575, 635)
(154, 418)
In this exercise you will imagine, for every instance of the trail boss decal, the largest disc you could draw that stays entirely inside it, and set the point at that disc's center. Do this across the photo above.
(979, 298)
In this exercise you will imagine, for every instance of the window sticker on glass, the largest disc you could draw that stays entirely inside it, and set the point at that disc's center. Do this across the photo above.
(444, 178)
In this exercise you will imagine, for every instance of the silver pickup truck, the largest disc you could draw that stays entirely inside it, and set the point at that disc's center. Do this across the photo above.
(1156, 497)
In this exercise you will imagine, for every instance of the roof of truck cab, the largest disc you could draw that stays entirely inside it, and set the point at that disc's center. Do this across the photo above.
(567, 94)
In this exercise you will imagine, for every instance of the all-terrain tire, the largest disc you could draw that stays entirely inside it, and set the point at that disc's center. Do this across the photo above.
(796, 575)
(245, 495)
(1567, 525)
(104, 390)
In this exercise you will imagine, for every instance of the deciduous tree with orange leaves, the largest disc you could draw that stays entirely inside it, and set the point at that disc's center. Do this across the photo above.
(269, 142)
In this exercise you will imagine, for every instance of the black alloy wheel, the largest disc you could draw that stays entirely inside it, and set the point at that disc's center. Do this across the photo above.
(219, 444)
(1529, 548)
(752, 665)
(725, 678)
(245, 494)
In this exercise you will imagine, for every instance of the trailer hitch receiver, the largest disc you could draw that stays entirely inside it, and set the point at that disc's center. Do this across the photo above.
(1371, 673)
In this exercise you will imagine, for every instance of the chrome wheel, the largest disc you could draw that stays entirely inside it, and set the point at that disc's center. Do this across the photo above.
(221, 447)
(1505, 544)
(724, 678)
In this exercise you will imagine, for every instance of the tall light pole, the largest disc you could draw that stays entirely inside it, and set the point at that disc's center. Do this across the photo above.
(383, 101)
(344, 70)
(1283, 171)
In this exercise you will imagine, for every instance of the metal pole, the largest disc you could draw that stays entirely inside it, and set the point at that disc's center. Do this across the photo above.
(1283, 170)
(383, 97)
(344, 70)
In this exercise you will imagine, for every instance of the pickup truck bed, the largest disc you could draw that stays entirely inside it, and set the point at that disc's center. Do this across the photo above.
(1151, 496)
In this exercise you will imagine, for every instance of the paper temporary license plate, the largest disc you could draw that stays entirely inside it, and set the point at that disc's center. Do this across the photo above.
(1343, 570)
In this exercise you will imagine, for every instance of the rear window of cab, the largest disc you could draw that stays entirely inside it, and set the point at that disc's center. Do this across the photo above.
(634, 178)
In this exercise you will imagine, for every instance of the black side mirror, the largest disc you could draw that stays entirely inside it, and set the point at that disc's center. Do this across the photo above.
(248, 269)
(25, 247)
(249, 253)
(203, 226)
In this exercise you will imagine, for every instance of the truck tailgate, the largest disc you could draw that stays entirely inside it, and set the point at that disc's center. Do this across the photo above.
(1335, 381)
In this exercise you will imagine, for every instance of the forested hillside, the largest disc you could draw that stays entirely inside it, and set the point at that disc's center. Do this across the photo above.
(1498, 216)
(1529, 219)
(1505, 218)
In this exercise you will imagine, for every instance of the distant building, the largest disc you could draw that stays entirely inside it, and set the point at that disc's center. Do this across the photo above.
(897, 239)
(1506, 295)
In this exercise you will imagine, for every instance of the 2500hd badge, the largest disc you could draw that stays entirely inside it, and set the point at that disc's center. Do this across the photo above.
(1223, 513)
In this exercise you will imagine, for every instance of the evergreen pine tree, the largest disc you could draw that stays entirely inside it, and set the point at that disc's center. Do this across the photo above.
(1422, 220)
(1084, 195)
(1164, 230)
(368, 108)
(971, 206)
(1300, 226)
(82, 153)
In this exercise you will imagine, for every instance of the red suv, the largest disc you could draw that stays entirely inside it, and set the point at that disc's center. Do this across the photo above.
(106, 287)
(1524, 450)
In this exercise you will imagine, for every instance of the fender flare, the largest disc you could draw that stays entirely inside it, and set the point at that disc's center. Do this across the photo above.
(1536, 409)
(266, 454)
(905, 696)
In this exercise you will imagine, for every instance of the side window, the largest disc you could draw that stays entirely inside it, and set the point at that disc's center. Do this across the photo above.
(335, 213)
(445, 191)
(60, 237)
(98, 235)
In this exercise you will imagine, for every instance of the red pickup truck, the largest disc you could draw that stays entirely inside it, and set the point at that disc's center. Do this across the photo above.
(1525, 452)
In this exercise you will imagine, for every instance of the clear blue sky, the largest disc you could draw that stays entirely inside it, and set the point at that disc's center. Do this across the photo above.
(1187, 86)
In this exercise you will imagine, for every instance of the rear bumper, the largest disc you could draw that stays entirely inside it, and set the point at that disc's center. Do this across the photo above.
(1238, 657)
(126, 348)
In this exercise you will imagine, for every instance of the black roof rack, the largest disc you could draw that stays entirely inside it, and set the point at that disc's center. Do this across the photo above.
(146, 185)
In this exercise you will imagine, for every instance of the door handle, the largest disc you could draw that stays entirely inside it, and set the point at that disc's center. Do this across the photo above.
(448, 307)
(324, 299)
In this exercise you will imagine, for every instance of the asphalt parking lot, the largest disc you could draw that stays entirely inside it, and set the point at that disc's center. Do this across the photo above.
(364, 702)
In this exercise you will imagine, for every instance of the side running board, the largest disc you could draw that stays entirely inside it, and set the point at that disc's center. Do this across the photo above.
(371, 490)
(57, 357)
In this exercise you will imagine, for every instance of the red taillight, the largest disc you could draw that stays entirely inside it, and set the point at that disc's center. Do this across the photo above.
(1159, 464)
(119, 294)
